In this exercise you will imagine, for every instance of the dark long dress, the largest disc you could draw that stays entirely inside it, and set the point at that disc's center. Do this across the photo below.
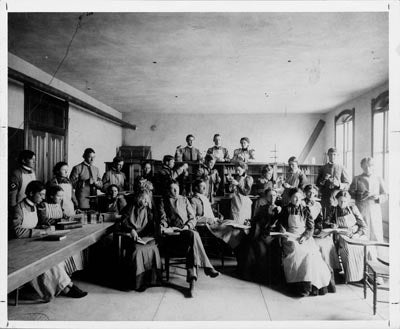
(143, 262)
(259, 255)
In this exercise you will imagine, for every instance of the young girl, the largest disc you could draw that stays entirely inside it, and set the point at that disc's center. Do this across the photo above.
(348, 217)
(112, 202)
(54, 281)
(69, 202)
(325, 244)
(241, 185)
(305, 270)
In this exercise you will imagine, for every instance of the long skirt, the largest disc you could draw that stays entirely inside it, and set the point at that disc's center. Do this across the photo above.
(304, 263)
(372, 214)
(52, 282)
(75, 262)
(144, 265)
(240, 208)
(260, 260)
(328, 252)
(352, 259)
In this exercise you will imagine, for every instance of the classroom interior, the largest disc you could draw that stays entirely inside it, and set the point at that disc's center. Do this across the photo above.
(295, 84)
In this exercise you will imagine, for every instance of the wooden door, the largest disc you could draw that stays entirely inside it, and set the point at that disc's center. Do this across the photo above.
(49, 149)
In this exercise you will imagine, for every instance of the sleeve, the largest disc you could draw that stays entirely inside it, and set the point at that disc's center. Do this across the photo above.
(252, 154)
(14, 185)
(321, 177)
(17, 220)
(74, 177)
(309, 223)
(106, 181)
(43, 216)
(121, 203)
(196, 209)
(362, 226)
(246, 188)
(283, 219)
(235, 155)
(73, 197)
(178, 154)
(124, 224)
(303, 181)
(191, 223)
(163, 215)
(210, 151)
(344, 180)
(199, 155)
(177, 172)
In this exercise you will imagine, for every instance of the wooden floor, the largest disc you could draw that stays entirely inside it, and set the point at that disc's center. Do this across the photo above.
(225, 298)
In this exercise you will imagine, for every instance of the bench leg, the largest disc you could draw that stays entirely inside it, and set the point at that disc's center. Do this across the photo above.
(375, 293)
(167, 267)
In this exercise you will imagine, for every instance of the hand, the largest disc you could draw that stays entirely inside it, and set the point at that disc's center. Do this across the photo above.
(278, 209)
(185, 166)
(134, 235)
(302, 239)
(286, 185)
(282, 229)
(185, 228)
(335, 226)
(336, 182)
(234, 182)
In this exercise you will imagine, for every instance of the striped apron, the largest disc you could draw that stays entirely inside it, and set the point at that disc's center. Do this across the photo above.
(303, 262)
(352, 256)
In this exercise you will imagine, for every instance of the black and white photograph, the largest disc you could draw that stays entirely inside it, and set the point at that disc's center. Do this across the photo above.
(189, 163)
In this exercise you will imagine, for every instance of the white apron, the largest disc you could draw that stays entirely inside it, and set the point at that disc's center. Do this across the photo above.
(303, 262)
(30, 219)
(26, 179)
(352, 256)
(240, 207)
(67, 204)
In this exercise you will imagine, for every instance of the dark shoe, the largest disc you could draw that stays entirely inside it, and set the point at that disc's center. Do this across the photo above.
(323, 291)
(75, 292)
(304, 293)
(141, 289)
(209, 271)
(314, 291)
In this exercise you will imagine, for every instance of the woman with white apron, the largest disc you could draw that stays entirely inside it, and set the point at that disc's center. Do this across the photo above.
(25, 225)
(369, 192)
(349, 217)
(304, 268)
(241, 187)
(325, 243)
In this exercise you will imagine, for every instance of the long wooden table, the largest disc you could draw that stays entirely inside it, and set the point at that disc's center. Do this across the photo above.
(28, 258)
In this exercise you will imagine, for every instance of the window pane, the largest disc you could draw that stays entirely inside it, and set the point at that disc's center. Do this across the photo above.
(378, 132)
(378, 164)
(339, 142)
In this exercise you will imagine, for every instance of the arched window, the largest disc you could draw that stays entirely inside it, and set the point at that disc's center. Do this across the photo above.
(380, 150)
(344, 139)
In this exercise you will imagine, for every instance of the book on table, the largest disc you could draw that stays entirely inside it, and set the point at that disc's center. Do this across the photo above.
(328, 231)
(54, 237)
(230, 222)
(64, 225)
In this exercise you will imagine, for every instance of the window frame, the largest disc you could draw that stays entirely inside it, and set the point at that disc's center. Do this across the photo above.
(382, 100)
(350, 113)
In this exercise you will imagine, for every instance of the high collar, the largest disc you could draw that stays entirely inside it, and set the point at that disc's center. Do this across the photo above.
(366, 175)
(86, 164)
(218, 147)
(28, 169)
(30, 204)
(189, 147)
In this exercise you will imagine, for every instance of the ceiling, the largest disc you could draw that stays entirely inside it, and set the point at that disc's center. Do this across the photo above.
(209, 62)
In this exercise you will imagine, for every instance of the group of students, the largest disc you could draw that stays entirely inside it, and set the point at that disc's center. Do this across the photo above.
(283, 226)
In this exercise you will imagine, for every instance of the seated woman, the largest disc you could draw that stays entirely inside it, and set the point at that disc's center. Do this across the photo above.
(54, 281)
(258, 255)
(348, 217)
(50, 213)
(305, 270)
(240, 185)
(324, 243)
(144, 261)
(266, 181)
(214, 222)
(69, 202)
(176, 214)
(112, 202)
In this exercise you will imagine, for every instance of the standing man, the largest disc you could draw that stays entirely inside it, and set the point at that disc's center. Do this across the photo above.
(332, 177)
(168, 173)
(188, 153)
(115, 176)
(209, 175)
(219, 152)
(85, 178)
(21, 177)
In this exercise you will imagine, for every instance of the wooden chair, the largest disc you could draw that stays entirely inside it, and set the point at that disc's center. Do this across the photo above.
(172, 256)
(373, 269)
